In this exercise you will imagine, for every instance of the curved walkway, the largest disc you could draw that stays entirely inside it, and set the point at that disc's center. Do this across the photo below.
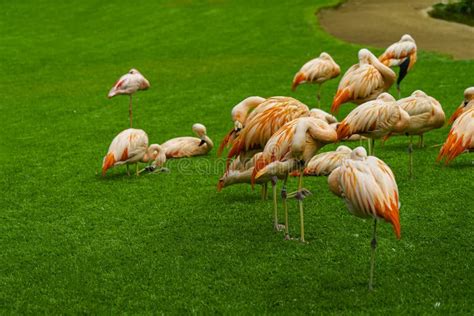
(379, 23)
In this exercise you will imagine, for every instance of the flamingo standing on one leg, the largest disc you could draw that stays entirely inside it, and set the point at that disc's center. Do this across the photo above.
(364, 81)
(239, 113)
(374, 119)
(466, 104)
(425, 114)
(402, 54)
(130, 147)
(460, 138)
(189, 146)
(369, 189)
(294, 144)
(129, 83)
(317, 70)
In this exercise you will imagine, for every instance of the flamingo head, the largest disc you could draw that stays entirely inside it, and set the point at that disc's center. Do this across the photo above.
(359, 153)
(200, 131)
(407, 38)
(365, 55)
(469, 94)
(419, 94)
(386, 97)
(343, 149)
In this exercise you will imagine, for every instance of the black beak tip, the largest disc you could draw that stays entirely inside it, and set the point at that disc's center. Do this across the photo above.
(202, 142)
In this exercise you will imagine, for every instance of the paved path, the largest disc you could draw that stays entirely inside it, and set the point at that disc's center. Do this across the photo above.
(379, 23)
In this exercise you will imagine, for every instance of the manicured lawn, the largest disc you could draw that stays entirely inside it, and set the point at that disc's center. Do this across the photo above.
(74, 242)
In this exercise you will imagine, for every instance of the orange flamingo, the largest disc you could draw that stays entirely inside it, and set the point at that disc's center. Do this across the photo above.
(369, 189)
(317, 70)
(364, 81)
(460, 138)
(467, 103)
(189, 146)
(374, 119)
(130, 147)
(239, 114)
(260, 126)
(294, 144)
(401, 54)
(425, 114)
(128, 84)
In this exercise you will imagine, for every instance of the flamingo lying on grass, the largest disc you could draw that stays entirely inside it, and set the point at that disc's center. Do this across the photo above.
(189, 146)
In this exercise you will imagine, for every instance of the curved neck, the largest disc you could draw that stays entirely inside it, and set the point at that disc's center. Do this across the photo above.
(388, 75)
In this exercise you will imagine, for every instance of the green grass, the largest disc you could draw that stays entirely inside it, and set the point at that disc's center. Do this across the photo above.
(73, 242)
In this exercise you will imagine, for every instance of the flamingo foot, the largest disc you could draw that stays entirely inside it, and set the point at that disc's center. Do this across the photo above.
(279, 227)
(300, 194)
(154, 169)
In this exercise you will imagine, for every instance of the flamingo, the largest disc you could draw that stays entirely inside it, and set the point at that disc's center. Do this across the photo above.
(374, 119)
(242, 173)
(364, 81)
(239, 114)
(369, 189)
(323, 164)
(263, 123)
(425, 114)
(317, 70)
(130, 147)
(460, 138)
(294, 144)
(129, 83)
(189, 146)
(467, 103)
(402, 54)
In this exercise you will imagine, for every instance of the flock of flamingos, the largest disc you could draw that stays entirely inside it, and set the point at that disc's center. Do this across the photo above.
(279, 136)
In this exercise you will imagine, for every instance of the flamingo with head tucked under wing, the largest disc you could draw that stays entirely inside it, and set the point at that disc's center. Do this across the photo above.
(364, 81)
(128, 84)
(317, 71)
(368, 187)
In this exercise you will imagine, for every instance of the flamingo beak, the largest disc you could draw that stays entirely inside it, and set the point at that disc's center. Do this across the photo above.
(202, 142)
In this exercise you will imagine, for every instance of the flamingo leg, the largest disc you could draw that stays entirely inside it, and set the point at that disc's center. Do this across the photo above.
(371, 142)
(285, 206)
(300, 204)
(136, 169)
(277, 226)
(264, 191)
(319, 96)
(128, 170)
(410, 153)
(130, 110)
(373, 245)
(421, 144)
